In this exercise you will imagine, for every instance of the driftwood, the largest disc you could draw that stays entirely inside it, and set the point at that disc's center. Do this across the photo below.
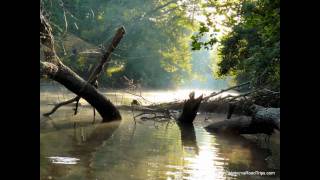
(57, 106)
(54, 69)
(263, 120)
(240, 103)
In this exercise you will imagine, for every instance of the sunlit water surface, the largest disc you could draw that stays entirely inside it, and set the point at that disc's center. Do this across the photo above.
(71, 147)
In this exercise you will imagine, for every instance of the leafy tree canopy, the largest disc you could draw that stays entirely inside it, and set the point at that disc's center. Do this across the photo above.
(250, 47)
(155, 51)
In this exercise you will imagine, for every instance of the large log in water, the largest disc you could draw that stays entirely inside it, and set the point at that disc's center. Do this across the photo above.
(263, 120)
(95, 73)
(56, 70)
(77, 85)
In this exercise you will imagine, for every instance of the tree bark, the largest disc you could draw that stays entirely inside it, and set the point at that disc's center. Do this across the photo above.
(65, 76)
(263, 120)
(96, 72)
(56, 70)
(190, 109)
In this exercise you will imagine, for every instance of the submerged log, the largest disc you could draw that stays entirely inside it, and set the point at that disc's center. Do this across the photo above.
(190, 109)
(263, 120)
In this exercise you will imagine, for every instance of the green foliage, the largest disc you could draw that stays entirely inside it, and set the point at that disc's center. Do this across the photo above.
(197, 44)
(114, 69)
(251, 50)
(155, 50)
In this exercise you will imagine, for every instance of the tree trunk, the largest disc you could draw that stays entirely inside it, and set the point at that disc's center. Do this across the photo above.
(263, 120)
(65, 76)
(56, 70)
(190, 109)
(93, 78)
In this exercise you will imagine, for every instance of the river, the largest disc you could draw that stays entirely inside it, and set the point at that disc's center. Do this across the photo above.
(72, 147)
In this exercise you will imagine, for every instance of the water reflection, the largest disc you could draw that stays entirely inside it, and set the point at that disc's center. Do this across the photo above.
(142, 149)
(200, 161)
(242, 154)
(63, 160)
(188, 137)
(85, 146)
(85, 140)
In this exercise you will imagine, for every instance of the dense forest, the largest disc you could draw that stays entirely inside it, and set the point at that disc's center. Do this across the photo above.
(162, 37)
(251, 50)
(157, 38)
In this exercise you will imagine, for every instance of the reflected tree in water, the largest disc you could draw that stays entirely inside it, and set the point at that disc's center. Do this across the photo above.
(89, 145)
(188, 136)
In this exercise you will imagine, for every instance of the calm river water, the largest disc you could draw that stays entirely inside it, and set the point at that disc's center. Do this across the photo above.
(73, 148)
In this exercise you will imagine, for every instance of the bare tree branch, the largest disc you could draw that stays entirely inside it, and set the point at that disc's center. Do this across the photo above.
(224, 90)
(97, 71)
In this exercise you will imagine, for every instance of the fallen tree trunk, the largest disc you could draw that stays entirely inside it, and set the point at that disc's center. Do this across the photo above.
(96, 72)
(54, 69)
(263, 120)
(267, 115)
(77, 85)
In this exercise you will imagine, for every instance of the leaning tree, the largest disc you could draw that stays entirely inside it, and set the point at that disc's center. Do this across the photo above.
(53, 68)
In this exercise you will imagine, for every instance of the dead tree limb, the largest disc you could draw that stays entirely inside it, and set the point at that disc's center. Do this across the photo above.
(243, 95)
(95, 74)
(190, 109)
(54, 69)
(139, 95)
(224, 90)
(59, 105)
(65, 76)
